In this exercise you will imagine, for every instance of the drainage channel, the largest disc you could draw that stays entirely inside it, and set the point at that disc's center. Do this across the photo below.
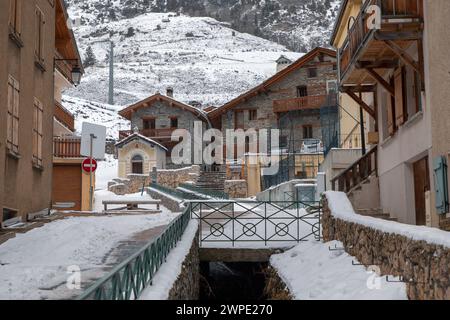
(232, 281)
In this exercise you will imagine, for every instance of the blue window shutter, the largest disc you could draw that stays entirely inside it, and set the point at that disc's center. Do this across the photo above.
(441, 185)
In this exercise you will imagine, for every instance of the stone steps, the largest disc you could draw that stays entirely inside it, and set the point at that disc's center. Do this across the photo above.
(211, 180)
(376, 213)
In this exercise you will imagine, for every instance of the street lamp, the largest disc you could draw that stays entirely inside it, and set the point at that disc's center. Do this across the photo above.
(76, 71)
(76, 75)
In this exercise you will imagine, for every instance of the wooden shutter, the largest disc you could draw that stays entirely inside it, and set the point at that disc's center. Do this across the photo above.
(39, 36)
(400, 97)
(441, 185)
(12, 13)
(18, 18)
(9, 137)
(16, 115)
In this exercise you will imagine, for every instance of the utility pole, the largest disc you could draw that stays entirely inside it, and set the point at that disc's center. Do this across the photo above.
(111, 74)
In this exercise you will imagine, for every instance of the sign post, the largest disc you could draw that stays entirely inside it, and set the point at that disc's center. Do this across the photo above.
(93, 141)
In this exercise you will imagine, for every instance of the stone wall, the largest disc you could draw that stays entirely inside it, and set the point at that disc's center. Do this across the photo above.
(133, 184)
(275, 288)
(166, 201)
(173, 178)
(423, 265)
(236, 189)
(187, 286)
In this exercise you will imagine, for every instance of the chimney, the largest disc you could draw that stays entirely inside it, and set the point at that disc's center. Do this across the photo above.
(169, 92)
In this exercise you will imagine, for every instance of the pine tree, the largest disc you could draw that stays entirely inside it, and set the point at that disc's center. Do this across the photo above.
(89, 58)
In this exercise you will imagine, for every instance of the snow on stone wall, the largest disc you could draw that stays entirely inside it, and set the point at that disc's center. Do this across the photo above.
(420, 255)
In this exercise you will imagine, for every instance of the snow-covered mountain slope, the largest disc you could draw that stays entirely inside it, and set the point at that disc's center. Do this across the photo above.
(99, 113)
(202, 59)
(298, 24)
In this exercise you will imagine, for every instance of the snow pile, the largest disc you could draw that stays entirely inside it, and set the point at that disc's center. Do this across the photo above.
(341, 208)
(313, 272)
(166, 276)
(35, 265)
(107, 170)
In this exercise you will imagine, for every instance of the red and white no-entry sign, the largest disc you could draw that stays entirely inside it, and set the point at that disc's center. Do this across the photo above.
(89, 165)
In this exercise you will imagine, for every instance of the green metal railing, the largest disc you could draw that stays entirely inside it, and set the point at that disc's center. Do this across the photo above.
(173, 192)
(205, 192)
(134, 275)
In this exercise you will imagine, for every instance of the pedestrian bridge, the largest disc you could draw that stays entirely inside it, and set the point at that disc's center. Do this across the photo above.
(229, 231)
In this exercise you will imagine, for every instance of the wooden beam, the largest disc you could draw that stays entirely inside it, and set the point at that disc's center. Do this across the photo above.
(360, 88)
(359, 101)
(402, 54)
(379, 64)
(381, 81)
(402, 36)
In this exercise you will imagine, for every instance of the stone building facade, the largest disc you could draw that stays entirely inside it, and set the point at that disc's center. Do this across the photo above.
(290, 100)
(158, 116)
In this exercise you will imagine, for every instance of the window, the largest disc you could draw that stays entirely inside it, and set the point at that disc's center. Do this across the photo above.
(252, 115)
(137, 165)
(149, 124)
(174, 122)
(307, 132)
(332, 86)
(283, 142)
(9, 214)
(37, 132)
(302, 91)
(15, 14)
(312, 73)
(12, 140)
(239, 120)
(39, 36)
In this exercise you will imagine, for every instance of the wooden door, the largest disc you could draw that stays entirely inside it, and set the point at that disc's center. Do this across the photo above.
(67, 186)
(421, 185)
(138, 168)
(240, 120)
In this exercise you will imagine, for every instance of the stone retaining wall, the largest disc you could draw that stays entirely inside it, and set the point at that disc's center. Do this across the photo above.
(187, 286)
(424, 265)
(133, 184)
(166, 201)
(173, 178)
(236, 189)
(275, 288)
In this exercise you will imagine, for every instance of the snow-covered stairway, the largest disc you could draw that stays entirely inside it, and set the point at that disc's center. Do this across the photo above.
(211, 180)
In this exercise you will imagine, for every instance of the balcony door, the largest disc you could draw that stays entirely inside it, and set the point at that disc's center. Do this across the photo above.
(239, 120)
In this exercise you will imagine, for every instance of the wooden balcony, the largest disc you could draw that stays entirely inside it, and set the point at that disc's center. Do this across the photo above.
(357, 173)
(64, 67)
(303, 103)
(66, 147)
(64, 116)
(157, 134)
(401, 23)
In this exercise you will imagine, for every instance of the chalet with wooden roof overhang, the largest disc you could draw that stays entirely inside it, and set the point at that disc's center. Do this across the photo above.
(398, 65)
(297, 93)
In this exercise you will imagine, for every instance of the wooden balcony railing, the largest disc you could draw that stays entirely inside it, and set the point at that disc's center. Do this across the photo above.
(63, 66)
(66, 147)
(303, 103)
(163, 134)
(357, 172)
(359, 32)
(64, 116)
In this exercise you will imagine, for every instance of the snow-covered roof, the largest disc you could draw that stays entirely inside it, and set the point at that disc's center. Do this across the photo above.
(148, 102)
(140, 137)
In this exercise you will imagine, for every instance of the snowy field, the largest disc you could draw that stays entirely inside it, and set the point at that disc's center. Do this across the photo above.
(313, 272)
